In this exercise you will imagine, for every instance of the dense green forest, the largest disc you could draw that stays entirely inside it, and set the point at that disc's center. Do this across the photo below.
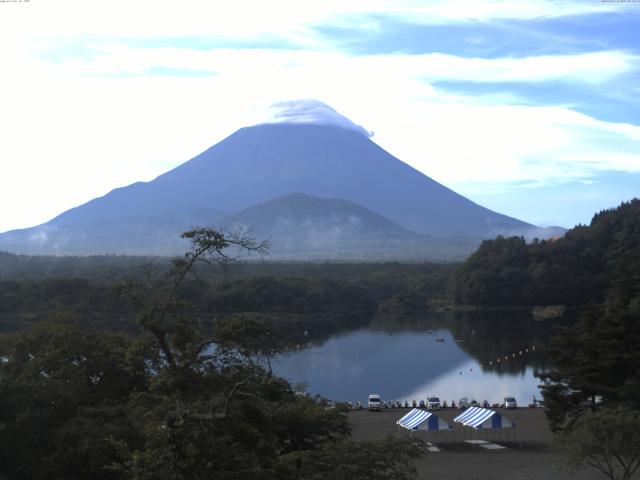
(176, 401)
(325, 294)
(138, 368)
(592, 393)
(109, 268)
(576, 269)
(573, 270)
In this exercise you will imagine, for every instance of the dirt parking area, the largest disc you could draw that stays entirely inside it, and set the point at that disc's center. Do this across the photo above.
(528, 456)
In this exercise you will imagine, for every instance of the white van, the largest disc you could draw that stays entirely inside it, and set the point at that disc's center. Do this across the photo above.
(465, 403)
(433, 403)
(375, 403)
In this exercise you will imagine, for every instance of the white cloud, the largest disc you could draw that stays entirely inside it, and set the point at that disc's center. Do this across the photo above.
(73, 130)
(290, 19)
(71, 135)
(159, 18)
(473, 145)
(311, 111)
(595, 67)
(120, 59)
(443, 11)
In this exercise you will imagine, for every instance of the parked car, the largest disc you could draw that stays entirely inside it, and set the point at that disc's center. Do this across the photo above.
(510, 402)
(466, 403)
(433, 403)
(375, 403)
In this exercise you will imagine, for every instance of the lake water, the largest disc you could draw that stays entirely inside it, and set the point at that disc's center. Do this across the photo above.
(456, 358)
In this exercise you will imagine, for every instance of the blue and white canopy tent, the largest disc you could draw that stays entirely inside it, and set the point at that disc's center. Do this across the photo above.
(421, 420)
(482, 418)
(477, 417)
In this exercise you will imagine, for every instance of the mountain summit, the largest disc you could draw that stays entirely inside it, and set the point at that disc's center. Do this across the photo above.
(312, 112)
(311, 149)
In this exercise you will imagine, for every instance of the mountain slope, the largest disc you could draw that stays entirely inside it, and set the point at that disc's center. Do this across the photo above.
(133, 232)
(251, 166)
(266, 161)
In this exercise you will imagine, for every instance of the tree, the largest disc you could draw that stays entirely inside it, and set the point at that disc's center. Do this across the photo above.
(211, 407)
(598, 357)
(175, 402)
(592, 396)
(253, 335)
(607, 440)
(573, 270)
(166, 320)
(390, 459)
(62, 398)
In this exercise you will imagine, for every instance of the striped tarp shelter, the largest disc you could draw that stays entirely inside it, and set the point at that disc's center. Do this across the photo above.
(418, 419)
(477, 417)
(482, 418)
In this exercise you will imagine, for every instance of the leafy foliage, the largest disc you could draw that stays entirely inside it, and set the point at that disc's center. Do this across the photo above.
(290, 295)
(387, 460)
(171, 403)
(598, 357)
(62, 395)
(252, 335)
(608, 440)
(573, 270)
(592, 395)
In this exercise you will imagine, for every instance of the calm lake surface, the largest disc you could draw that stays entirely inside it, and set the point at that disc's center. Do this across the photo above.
(446, 356)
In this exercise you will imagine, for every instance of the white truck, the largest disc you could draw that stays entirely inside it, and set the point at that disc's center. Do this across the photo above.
(433, 403)
(375, 403)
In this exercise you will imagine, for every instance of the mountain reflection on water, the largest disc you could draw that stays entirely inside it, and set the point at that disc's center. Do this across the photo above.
(447, 355)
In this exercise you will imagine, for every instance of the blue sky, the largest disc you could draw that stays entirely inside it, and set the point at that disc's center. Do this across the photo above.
(529, 108)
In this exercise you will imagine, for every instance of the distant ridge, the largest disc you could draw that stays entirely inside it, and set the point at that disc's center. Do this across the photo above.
(303, 224)
(301, 209)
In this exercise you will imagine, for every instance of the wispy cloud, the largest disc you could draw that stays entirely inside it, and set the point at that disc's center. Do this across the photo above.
(288, 18)
(595, 67)
(443, 11)
(371, 86)
(476, 92)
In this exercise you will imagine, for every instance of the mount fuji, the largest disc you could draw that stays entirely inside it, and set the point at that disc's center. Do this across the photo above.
(309, 149)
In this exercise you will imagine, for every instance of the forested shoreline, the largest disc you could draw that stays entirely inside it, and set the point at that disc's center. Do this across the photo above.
(176, 400)
(326, 294)
(156, 370)
(576, 269)
(503, 273)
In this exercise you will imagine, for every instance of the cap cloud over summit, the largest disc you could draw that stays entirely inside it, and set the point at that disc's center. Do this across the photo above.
(312, 112)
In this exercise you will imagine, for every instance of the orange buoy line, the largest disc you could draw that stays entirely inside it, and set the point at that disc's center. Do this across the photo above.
(513, 355)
